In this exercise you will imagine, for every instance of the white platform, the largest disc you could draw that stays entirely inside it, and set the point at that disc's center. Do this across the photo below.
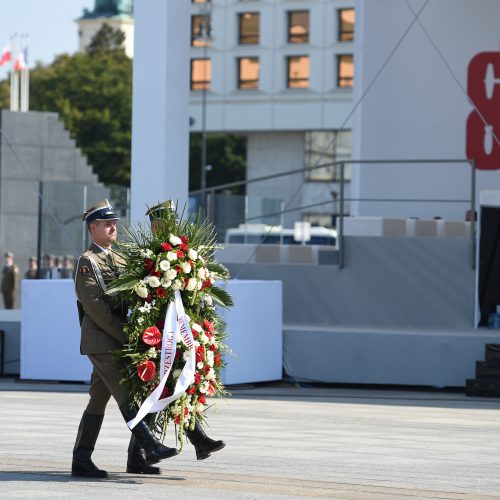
(50, 334)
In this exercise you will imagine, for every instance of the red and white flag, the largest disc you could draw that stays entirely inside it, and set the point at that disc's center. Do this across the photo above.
(6, 54)
(21, 61)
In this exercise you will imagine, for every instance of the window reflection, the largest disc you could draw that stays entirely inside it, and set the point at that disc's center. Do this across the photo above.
(298, 26)
(248, 73)
(201, 73)
(298, 72)
(200, 36)
(249, 28)
(346, 25)
(345, 70)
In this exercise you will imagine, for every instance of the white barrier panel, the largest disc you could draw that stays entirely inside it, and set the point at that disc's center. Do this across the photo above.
(50, 334)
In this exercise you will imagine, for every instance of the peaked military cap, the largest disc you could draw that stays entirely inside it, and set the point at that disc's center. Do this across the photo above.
(9, 254)
(161, 210)
(102, 210)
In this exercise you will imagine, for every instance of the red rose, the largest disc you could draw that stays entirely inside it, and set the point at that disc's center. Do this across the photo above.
(199, 357)
(217, 360)
(211, 390)
(206, 284)
(146, 371)
(149, 298)
(180, 254)
(148, 264)
(166, 247)
(209, 326)
(206, 369)
(186, 411)
(151, 336)
(197, 378)
(195, 333)
(213, 347)
(184, 239)
(177, 419)
(178, 268)
(155, 273)
(184, 247)
(161, 292)
(191, 390)
(202, 400)
(186, 282)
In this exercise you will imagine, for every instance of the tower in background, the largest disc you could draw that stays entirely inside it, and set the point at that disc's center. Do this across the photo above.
(118, 14)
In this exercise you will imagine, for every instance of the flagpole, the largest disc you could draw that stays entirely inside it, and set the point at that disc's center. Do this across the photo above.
(14, 100)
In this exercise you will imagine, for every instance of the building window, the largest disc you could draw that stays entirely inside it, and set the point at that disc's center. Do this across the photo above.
(249, 28)
(345, 70)
(346, 25)
(325, 148)
(318, 219)
(248, 73)
(298, 26)
(201, 72)
(200, 31)
(298, 72)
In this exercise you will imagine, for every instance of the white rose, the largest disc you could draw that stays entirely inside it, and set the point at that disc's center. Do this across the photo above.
(199, 365)
(201, 273)
(197, 327)
(196, 343)
(192, 254)
(210, 358)
(199, 285)
(171, 256)
(185, 356)
(175, 240)
(165, 283)
(210, 375)
(191, 284)
(208, 300)
(203, 338)
(177, 285)
(176, 373)
(164, 265)
(142, 291)
(171, 274)
(186, 267)
(154, 282)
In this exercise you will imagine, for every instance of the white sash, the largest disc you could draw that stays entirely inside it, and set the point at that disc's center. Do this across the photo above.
(175, 322)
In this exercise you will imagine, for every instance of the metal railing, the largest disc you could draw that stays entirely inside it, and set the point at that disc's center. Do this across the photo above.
(209, 195)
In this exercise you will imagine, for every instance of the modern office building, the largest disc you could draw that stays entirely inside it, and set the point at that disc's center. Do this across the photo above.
(280, 72)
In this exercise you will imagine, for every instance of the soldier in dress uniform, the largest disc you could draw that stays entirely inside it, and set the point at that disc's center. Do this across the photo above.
(67, 269)
(204, 446)
(32, 271)
(102, 333)
(10, 281)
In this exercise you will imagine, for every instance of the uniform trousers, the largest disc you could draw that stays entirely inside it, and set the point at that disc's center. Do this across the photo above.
(105, 382)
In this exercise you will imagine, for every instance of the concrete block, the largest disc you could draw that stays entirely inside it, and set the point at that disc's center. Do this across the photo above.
(19, 196)
(394, 227)
(300, 254)
(21, 162)
(426, 228)
(268, 254)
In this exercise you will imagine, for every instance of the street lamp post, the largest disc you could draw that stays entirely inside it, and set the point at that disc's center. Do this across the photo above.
(205, 31)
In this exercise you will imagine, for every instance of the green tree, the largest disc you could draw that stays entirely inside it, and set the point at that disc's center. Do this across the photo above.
(92, 92)
(106, 40)
(226, 154)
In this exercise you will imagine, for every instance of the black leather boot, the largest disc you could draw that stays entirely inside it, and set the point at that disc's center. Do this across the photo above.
(136, 461)
(82, 465)
(203, 445)
(153, 449)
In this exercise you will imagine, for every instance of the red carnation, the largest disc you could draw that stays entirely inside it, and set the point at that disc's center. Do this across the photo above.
(217, 360)
(161, 292)
(149, 298)
(186, 411)
(155, 273)
(184, 239)
(206, 369)
(202, 400)
(151, 336)
(191, 390)
(180, 254)
(148, 264)
(184, 247)
(197, 378)
(213, 347)
(166, 247)
(206, 284)
(146, 371)
(177, 354)
(178, 268)
(177, 419)
(186, 282)
(195, 333)
(209, 326)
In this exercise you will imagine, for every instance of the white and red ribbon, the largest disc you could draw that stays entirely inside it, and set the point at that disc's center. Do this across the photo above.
(176, 326)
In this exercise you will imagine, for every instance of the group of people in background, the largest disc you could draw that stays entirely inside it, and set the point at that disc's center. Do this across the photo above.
(52, 267)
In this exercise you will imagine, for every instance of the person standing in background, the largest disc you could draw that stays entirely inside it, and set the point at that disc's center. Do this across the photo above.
(32, 271)
(10, 281)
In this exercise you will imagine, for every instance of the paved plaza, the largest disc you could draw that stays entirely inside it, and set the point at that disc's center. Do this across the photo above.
(282, 442)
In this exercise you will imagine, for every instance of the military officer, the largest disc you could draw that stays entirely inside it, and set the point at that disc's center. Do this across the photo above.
(101, 334)
(203, 445)
(10, 281)
(32, 271)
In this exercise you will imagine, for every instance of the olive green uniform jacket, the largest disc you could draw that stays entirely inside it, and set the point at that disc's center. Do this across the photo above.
(102, 325)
